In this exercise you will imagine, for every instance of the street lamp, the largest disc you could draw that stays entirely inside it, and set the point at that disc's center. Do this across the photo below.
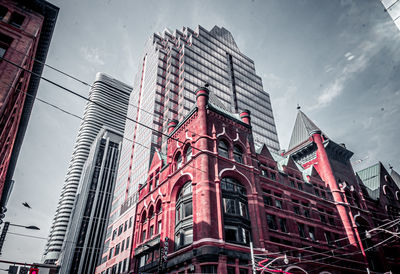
(5, 229)
(27, 227)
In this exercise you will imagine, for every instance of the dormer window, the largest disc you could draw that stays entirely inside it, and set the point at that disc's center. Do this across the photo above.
(223, 149)
(238, 154)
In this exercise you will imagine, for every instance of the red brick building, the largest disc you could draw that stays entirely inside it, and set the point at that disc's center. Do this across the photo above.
(26, 28)
(214, 193)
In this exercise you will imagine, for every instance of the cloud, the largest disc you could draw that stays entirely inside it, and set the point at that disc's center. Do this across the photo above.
(349, 56)
(92, 55)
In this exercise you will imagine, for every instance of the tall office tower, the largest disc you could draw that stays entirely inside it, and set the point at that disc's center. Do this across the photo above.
(26, 29)
(89, 219)
(107, 108)
(173, 65)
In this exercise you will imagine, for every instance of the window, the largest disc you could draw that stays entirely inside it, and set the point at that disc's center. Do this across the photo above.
(5, 43)
(273, 175)
(299, 185)
(184, 217)
(292, 184)
(307, 213)
(296, 210)
(125, 225)
(159, 227)
(237, 234)
(282, 223)
(301, 230)
(328, 237)
(151, 231)
(117, 249)
(120, 229)
(16, 20)
(331, 221)
(188, 154)
(223, 149)
(151, 212)
(114, 234)
(178, 161)
(271, 222)
(209, 269)
(322, 218)
(267, 200)
(130, 222)
(3, 12)
(158, 207)
(278, 204)
(111, 253)
(311, 233)
(236, 215)
(143, 235)
(123, 245)
(238, 154)
(127, 242)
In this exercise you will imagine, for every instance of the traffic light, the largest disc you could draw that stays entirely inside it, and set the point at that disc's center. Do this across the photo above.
(34, 270)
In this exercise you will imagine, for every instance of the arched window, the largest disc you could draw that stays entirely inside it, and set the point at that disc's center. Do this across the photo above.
(158, 207)
(188, 154)
(223, 149)
(236, 215)
(178, 161)
(151, 212)
(184, 217)
(238, 154)
(143, 219)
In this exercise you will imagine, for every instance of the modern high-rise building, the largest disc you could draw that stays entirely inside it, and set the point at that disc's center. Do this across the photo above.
(89, 219)
(173, 65)
(26, 29)
(107, 108)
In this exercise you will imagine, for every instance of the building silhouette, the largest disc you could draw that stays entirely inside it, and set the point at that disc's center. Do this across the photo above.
(214, 192)
(173, 64)
(107, 108)
(26, 29)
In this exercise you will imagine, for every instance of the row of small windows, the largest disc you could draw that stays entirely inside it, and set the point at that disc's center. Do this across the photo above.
(122, 228)
(114, 251)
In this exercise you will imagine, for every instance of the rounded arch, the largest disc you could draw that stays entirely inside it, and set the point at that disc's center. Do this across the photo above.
(151, 212)
(178, 160)
(184, 178)
(188, 152)
(295, 267)
(236, 174)
(158, 206)
(384, 188)
(143, 216)
(361, 221)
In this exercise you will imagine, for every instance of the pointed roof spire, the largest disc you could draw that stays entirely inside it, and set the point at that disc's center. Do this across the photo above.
(302, 130)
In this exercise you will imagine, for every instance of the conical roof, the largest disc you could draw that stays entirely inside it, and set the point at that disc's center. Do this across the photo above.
(302, 129)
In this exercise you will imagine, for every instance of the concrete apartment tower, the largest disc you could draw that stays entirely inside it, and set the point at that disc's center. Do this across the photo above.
(173, 65)
(107, 108)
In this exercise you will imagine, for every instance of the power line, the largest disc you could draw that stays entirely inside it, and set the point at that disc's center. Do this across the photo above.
(331, 250)
(392, 223)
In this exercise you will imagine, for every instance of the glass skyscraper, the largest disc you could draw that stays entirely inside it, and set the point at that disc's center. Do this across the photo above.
(173, 66)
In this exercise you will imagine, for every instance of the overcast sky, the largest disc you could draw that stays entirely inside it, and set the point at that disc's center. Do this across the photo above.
(338, 59)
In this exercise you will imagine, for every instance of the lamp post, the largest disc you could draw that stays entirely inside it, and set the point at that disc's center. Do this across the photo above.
(5, 229)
